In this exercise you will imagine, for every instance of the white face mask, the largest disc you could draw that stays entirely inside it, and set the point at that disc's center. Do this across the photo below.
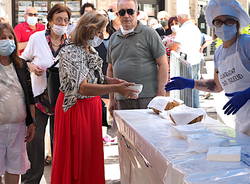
(95, 42)
(125, 32)
(59, 30)
(32, 20)
(175, 28)
(111, 15)
(144, 22)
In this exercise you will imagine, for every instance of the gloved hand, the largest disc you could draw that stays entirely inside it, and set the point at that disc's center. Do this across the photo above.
(178, 83)
(237, 101)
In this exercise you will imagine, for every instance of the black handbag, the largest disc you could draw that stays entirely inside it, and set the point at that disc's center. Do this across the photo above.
(53, 83)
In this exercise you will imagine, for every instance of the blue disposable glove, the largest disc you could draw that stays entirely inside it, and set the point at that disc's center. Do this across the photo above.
(237, 101)
(178, 83)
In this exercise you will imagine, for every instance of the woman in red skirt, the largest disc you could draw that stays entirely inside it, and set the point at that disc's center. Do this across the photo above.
(78, 148)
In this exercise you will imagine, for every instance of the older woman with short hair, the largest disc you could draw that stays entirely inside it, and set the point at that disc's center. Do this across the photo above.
(78, 152)
(41, 53)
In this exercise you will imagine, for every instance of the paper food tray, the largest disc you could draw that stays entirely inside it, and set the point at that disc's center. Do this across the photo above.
(160, 102)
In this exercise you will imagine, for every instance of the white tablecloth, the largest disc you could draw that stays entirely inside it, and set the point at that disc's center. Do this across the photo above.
(150, 154)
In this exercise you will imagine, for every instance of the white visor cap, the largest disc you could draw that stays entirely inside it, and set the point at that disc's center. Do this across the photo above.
(233, 8)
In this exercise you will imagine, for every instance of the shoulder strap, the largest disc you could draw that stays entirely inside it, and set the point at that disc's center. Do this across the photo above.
(56, 62)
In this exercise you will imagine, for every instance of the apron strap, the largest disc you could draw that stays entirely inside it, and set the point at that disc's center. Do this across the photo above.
(237, 41)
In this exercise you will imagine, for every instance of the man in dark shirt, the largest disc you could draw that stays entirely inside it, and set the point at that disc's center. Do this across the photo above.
(164, 30)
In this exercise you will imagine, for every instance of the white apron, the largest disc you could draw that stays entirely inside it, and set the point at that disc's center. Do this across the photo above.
(233, 77)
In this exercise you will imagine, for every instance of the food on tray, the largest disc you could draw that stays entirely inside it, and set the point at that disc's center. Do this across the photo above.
(198, 119)
(169, 106)
(161, 103)
(183, 115)
(156, 111)
(172, 104)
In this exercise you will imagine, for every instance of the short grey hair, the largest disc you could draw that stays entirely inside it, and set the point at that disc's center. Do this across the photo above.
(135, 1)
(30, 8)
(184, 16)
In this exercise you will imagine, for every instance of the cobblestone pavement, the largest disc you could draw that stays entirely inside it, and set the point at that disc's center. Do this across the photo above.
(112, 170)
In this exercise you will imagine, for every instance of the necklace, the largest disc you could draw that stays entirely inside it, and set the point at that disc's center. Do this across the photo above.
(55, 42)
(56, 45)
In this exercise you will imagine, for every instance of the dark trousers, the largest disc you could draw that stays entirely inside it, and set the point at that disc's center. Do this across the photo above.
(104, 115)
(35, 149)
(140, 103)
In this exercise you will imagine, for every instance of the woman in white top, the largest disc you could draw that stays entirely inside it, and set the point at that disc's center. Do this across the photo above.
(41, 51)
(232, 61)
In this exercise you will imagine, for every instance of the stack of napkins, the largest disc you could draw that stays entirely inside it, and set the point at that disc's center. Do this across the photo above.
(226, 154)
(201, 142)
(182, 131)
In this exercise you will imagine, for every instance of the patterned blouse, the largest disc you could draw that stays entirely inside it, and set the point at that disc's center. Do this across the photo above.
(76, 65)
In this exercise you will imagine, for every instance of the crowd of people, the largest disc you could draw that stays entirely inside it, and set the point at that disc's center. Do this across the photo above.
(98, 59)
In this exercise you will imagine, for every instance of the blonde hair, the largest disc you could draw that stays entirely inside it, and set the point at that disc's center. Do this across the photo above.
(89, 24)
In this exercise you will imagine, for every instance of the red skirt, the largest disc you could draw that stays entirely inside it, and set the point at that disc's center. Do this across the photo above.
(78, 148)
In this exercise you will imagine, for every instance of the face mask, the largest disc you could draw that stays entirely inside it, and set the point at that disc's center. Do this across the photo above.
(95, 42)
(164, 23)
(175, 28)
(112, 16)
(125, 32)
(226, 32)
(32, 20)
(7, 47)
(59, 30)
(144, 22)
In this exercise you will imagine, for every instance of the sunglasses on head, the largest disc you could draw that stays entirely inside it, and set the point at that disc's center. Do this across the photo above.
(122, 12)
(32, 14)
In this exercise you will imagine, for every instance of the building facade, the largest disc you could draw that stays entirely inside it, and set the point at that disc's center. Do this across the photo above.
(6, 9)
(13, 10)
(172, 6)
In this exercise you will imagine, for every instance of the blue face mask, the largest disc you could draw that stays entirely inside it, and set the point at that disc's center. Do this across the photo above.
(7, 47)
(226, 32)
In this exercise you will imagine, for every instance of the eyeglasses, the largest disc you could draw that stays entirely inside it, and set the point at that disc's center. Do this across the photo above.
(32, 14)
(122, 12)
(228, 22)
